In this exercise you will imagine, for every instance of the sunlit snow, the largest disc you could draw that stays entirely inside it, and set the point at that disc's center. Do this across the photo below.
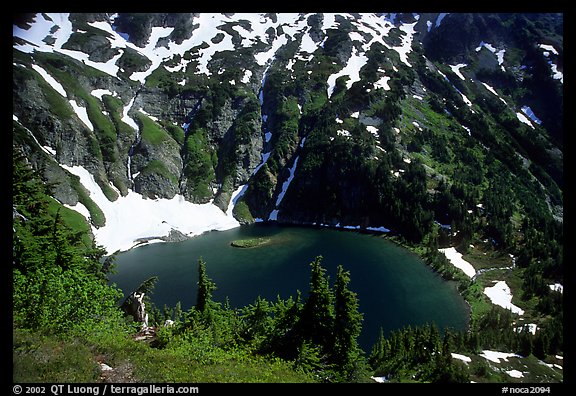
(458, 356)
(50, 80)
(501, 295)
(99, 93)
(556, 287)
(515, 373)
(457, 261)
(456, 70)
(522, 118)
(495, 356)
(352, 70)
(133, 217)
(82, 113)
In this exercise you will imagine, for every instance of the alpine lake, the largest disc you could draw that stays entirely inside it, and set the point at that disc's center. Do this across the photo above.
(394, 286)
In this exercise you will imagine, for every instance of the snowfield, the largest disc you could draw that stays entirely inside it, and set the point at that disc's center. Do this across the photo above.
(495, 356)
(501, 295)
(134, 217)
(456, 259)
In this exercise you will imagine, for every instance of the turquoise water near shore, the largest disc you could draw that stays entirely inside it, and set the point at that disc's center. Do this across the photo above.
(394, 286)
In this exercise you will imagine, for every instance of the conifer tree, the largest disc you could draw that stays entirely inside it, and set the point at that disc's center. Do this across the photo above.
(347, 324)
(205, 288)
(317, 318)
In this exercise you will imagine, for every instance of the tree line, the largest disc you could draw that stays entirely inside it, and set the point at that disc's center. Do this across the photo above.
(317, 333)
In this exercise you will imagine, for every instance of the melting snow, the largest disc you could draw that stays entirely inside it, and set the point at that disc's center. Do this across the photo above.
(556, 287)
(528, 111)
(82, 114)
(556, 74)
(50, 80)
(379, 379)
(495, 356)
(286, 184)
(499, 54)
(441, 16)
(406, 47)
(382, 83)
(132, 217)
(352, 70)
(522, 118)
(126, 118)
(456, 70)
(456, 259)
(461, 357)
(530, 327)
(99, 93)
(501, 295)
(236, 195)
(515, 373)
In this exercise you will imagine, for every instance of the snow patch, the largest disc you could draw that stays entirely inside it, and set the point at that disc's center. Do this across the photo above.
(406, 47)
(82, 113)
(50, 80)
(548, 48)
(286, 184)
(528, 111)
(501, 295)
(522, 118)
(464, 358)
(441, 16)
(456, 70)
(99, 93)
(557, 287)
(515, 373)
(126, 118)
(491, 48)
(236, 195)
(383, 83)
(133, 217)
(495, 356)
(352, 70)
(457, 261)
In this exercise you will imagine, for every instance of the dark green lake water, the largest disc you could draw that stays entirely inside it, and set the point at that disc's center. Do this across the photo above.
(395, 288)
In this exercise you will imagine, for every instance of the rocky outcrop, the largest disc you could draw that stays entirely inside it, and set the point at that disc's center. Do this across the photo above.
(134, 306)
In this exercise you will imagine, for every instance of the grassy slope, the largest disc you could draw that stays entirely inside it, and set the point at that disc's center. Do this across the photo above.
(51, 358)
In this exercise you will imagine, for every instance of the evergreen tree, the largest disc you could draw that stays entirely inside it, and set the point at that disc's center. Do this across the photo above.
(284, 338)
(205, 288)
(317, 319)
(256, 319)
(57, 281)
(379, 350)
(347, 326)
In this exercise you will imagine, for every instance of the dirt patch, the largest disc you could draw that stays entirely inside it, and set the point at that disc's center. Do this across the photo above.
(122, 373)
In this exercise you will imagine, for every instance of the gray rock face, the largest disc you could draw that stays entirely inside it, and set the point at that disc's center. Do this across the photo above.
(135, 307)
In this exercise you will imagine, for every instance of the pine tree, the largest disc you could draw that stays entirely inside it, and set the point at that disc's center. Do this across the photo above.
(347, 325)
(380, 350)
(205, 288)
(317, 317)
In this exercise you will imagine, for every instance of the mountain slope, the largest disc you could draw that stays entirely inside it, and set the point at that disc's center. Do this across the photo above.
(392, 122)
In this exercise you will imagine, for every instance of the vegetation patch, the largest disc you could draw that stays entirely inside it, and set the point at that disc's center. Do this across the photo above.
(250, 243)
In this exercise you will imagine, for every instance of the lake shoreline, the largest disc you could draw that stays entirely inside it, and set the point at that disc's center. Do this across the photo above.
(369, 262)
